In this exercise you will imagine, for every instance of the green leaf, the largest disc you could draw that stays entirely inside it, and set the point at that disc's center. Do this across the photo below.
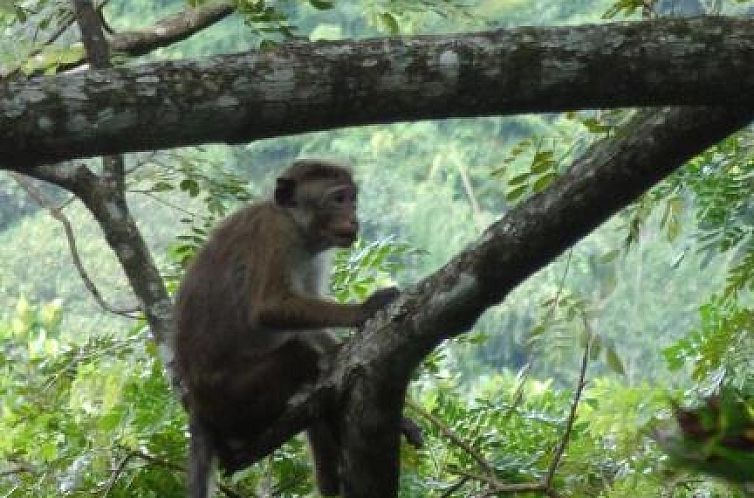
(596, 347)
(48, 451)
(543, 182)
(321, 4)
(614, 361)
(595, 126)
(70, 55)
(516, 193)
(266, 45)
(542, 162)
(537, 330)
(109, 422)
(390, 23)
(190, 186)
(20, 14)
(585, 336)
(518, 179)
(162, 187)
(609, 256)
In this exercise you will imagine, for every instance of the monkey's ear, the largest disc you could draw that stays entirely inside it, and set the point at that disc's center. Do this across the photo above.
(285, 190)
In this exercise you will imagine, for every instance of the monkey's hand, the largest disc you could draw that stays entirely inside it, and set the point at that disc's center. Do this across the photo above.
(379, 299)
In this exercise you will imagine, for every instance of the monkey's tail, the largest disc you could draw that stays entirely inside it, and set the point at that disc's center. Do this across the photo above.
(201, 461)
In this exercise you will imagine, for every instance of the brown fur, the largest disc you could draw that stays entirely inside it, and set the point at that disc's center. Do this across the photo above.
(250, 321)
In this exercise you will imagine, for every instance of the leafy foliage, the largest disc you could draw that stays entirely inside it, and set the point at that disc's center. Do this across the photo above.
(84, 414)
(716, 437)
(368, 266)
(721, 350)
(73, 413)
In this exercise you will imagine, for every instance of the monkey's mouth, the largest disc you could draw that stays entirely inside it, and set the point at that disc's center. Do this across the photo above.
(345, 239)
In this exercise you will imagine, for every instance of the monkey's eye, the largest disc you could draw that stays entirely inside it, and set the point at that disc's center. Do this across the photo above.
(342, 197)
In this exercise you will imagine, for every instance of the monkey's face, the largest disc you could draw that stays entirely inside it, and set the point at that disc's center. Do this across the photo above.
(335, 218)
(324, 208)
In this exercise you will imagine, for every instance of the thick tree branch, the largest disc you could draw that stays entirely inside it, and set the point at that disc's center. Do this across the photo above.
(374, 367)
(609, 176)
(243, 97)
(239, 98)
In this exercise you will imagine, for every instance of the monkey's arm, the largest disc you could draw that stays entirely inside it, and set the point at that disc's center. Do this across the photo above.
(294, 311)
(277, 303)
(300, 312)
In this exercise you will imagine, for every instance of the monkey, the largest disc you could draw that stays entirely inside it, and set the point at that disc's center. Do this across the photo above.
(252, 325)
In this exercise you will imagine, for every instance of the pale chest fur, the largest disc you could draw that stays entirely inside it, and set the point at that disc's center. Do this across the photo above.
(309, 277)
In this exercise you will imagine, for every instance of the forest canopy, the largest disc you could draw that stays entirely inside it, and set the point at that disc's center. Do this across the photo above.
(561, 189)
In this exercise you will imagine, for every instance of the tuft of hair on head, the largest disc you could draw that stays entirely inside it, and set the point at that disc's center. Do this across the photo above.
(308, 170)
(316, 169)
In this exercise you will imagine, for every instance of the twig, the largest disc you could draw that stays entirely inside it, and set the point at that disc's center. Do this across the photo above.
(143, 161)
(561, 286)
(455, 487)
(172, 29)
(498, 487)
(545, 485)
(469, 188)
(164, 202)
(558, 455)
(455, 438)
(56, 212)
(117, 471)
(152, 460)
(67, 23)
(526, 370)
(19, 469)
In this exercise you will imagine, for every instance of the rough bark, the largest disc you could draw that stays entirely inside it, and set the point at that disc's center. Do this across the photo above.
(105, 197)
(123, 236)
(305, 87)
(447, 303)
(373, 369)
(313, 86)
(171, 29)
(166, 31)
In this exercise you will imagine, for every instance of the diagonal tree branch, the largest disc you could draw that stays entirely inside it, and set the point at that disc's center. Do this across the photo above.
(609, 176)
(243, 97)
(166, 31)
(105, 197)
(171, 29)
(110, 111)
(374, 367)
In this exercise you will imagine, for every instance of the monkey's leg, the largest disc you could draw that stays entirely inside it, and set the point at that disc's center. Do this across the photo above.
(412, 432)
(200, 461)
(325, 452)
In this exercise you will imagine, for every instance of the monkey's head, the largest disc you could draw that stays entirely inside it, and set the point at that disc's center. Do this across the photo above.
(321, 197)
